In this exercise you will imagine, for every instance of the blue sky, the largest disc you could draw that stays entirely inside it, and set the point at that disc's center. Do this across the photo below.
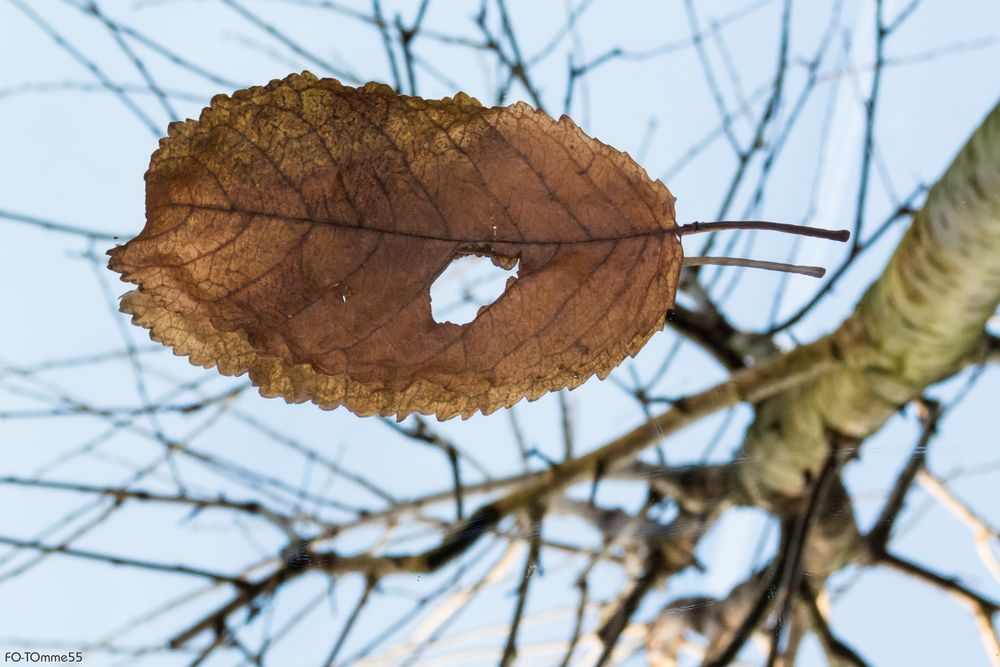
(75, 154)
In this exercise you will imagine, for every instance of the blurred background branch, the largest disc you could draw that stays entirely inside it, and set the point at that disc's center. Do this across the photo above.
(745, 491)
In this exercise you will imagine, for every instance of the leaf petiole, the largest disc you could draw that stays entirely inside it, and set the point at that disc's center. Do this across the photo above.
(812, 271)
(697, 227)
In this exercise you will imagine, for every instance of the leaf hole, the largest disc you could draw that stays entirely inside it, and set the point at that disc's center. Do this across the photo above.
(469, 283)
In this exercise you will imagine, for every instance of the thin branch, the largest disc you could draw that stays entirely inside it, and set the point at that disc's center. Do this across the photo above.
(787, 567)
(581, 609)
(947, 584)
(179, 61)
(869, 140)
(789, 583)
(615, 625)
(91, 66)
(112, 559)
(767, 116)
(349, 624)
(752, 384)
(903, 14)
(904, 210)
(61, 227)
(535, 516)
(383, 30)
(422, 432)
(982, 532)
(713, 85)
(292, 45)
(983, 609)
(140, 66)
(450, 601)
(407, 34)
(120, 494)
(878, 537)
(518, 67)
(834, 647)
(713, 334)
(70, 85)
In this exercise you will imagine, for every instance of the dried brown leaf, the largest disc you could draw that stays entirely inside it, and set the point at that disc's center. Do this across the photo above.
(294, 231)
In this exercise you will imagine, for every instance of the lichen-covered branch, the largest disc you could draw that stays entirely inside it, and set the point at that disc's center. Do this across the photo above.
(922, 321)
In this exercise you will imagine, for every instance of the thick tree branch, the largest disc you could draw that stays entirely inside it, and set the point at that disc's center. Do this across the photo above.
(922, 321)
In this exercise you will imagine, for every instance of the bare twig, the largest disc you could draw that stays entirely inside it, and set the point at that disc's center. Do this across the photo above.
(878, 537)
(982, 532)
(349, 623)
(840, 654)
(290, 43)
(91, 66)
(535, 516)
(61, 227)
(786, 569)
